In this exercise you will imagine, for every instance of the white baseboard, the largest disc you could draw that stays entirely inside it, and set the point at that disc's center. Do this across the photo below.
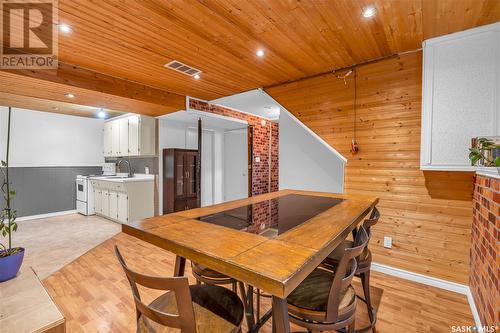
(433, 282)
(44, 216)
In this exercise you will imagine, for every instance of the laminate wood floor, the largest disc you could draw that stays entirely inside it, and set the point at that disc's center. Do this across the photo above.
(94, 296)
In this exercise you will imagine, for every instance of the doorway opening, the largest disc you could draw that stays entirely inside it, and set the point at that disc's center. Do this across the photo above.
(224, 159)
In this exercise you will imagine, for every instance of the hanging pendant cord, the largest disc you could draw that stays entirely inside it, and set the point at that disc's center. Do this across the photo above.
(355, 102)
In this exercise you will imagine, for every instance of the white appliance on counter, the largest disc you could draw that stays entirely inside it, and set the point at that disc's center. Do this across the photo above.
(108, 169)
(85, 190)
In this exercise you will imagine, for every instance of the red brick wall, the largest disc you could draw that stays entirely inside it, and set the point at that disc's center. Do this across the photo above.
(274, 157)
(484, 255)
(263, 136)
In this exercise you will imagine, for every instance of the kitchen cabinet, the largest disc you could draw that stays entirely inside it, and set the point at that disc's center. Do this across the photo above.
(115, 138)
(98, 201)
(113, 204)
(123, 137)
(461, 96)
(181, 189)
(124, 201)
(108, 149)
(131, 135)
(105, 203)
(122, 207)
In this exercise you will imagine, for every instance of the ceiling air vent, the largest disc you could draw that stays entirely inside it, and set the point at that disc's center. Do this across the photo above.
(183, 68)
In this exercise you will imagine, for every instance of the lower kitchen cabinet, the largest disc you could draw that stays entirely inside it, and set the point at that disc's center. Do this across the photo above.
(105, 203)
(124, 201)
(98, 200)
(113, 204)
(122, 207)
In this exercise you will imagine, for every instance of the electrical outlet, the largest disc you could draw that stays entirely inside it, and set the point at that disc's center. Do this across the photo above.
(388, 242)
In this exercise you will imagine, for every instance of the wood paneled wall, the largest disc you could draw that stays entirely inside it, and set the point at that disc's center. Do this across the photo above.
(428, 214)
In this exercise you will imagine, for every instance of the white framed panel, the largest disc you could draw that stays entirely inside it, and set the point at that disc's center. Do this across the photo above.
(460, 96)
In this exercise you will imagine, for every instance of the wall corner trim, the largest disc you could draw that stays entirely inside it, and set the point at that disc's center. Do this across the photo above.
(433, 282)
(44, 216)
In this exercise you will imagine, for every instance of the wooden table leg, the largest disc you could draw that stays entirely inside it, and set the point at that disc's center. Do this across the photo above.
(280, 315)
(180, 266)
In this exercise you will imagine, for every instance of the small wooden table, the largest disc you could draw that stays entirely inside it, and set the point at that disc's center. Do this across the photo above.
(26, 307)
(270, 241)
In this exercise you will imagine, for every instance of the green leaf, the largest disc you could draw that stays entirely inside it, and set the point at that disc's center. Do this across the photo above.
(474, 159)
(497, 161)
(475, 150)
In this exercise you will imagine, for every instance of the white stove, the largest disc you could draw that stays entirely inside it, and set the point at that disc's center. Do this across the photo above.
(85, 190)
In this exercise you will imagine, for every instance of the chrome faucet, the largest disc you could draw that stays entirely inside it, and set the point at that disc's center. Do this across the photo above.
(128, 164)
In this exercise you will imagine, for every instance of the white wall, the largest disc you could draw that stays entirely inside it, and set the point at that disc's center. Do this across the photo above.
(174, 134)
(50, 139)
(306, 162)
(236, 164)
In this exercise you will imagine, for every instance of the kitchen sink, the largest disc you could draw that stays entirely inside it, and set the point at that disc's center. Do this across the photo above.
(120, 177)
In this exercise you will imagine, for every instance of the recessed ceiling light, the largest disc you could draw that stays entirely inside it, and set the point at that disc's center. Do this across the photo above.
(197, 76)
(65, 28)
(55, 108)
(101, 114)
(69, 95)
(260, 53)
(369, 11)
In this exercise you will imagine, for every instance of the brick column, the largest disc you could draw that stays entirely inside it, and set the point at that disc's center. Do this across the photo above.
(484, 255)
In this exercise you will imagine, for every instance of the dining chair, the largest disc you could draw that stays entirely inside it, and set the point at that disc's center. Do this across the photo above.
(325, 300)
(192, 309)
(208, 276)
(363, 269)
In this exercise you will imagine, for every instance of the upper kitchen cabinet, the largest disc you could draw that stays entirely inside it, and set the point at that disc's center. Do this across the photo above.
(129, 136)
(461, 92)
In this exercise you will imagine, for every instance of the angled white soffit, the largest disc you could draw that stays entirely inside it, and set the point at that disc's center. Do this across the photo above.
(256, 102)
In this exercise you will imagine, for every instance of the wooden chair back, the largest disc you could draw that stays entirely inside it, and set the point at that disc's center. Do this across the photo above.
(370, 222)
(184, 319)
(344, 274)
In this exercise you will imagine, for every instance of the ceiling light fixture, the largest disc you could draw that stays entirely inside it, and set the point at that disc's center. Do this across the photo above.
(260, 53)
(197, 76)
(101, 114)
(369, 11)
(69, 95)
(65, 28)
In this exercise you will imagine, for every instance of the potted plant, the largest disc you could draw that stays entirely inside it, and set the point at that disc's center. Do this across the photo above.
(11, 258)
(482, 152)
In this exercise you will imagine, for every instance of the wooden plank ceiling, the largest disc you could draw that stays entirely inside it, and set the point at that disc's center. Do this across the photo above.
(40, 104)
(131, 40)
(90, 89)
(134, 39)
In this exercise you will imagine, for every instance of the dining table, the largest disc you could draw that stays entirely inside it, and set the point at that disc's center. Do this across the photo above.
(270, 242)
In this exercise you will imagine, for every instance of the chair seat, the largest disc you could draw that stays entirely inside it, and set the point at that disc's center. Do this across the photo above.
(216, 309)
(312, 295)
(333, 258)
(206, 272)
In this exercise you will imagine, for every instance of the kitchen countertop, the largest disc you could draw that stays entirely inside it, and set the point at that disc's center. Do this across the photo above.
(136, 178)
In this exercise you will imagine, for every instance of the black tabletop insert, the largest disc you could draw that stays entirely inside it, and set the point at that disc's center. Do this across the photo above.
(273, 217)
